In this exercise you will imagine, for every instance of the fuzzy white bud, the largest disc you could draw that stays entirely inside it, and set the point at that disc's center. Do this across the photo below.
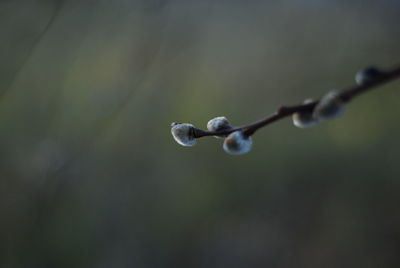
(330, 106)
(237, 143)
(304, 119)
(367, 75)
(218, 124)
(183, 134)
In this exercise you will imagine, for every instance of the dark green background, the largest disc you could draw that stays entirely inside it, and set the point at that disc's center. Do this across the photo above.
(91, 177)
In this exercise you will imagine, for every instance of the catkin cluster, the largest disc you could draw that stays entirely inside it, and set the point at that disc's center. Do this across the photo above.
(237, 142)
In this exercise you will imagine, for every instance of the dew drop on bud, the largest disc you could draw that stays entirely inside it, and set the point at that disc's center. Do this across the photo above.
(330, 106)
(183, 133)
(237, 143)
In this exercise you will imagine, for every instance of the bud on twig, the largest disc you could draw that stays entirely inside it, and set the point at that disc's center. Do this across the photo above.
(218, 124)
(367, 75)
(330, 106)
(183, 133)
(237, 143)
(303, 119)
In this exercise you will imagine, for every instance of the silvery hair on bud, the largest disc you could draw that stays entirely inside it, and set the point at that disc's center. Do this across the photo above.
(237, 143)
(330, 106)
(218, 124)
(183, 133)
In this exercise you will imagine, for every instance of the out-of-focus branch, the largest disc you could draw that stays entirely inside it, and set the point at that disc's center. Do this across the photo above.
(36, 41)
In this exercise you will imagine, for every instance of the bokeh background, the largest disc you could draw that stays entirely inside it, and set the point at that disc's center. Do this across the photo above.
(91, 177)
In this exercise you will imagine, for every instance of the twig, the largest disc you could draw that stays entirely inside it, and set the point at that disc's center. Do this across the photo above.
(345, 95)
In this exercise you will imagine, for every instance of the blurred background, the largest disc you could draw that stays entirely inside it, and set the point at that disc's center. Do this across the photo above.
(91, 177)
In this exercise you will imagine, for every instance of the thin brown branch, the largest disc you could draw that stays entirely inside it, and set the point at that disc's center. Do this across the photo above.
(345, 95)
